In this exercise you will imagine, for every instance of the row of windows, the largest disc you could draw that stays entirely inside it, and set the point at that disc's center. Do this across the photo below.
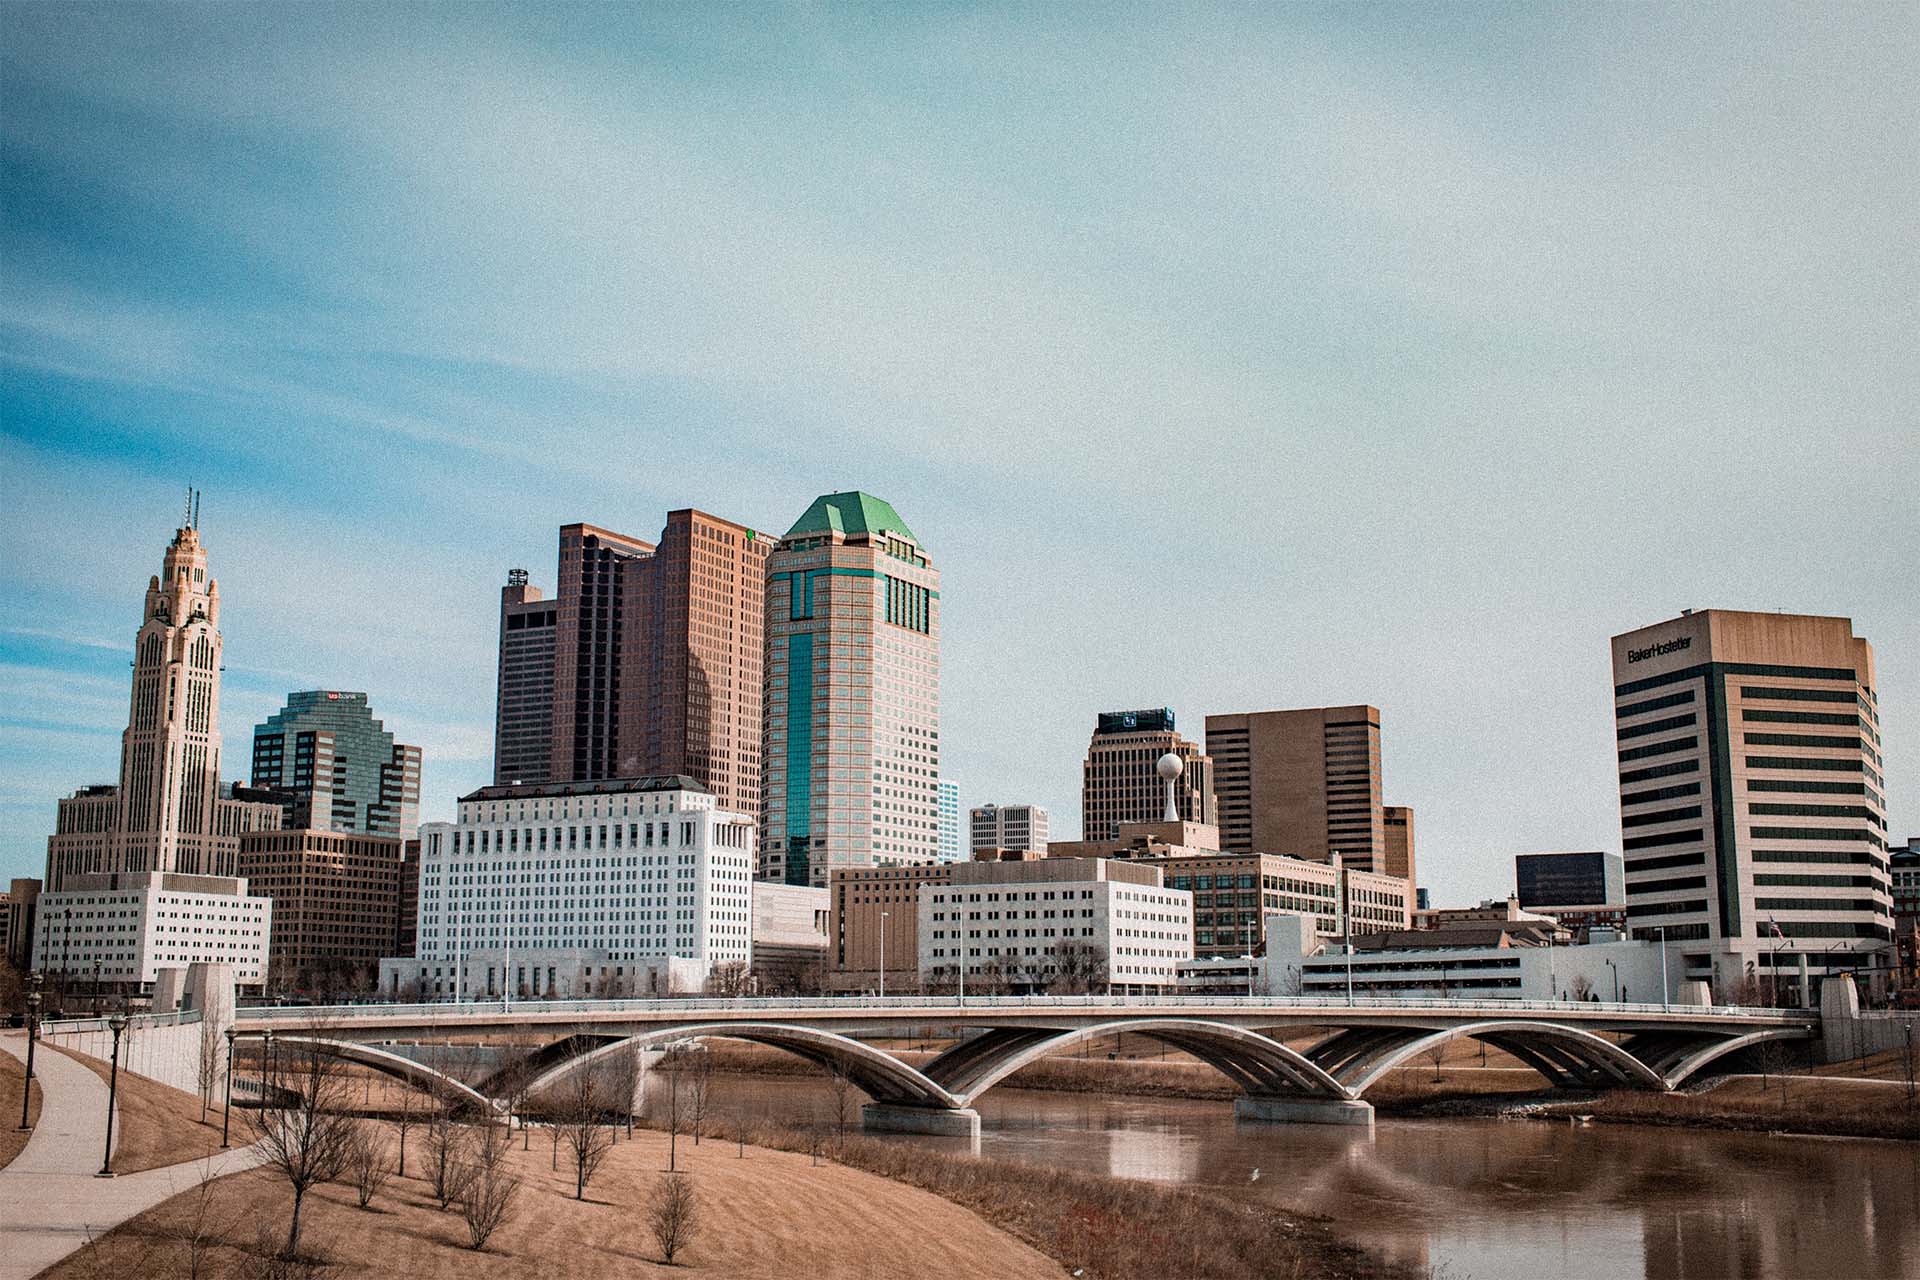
(1680, 699)
(1815, 882)
(1800, 717)
(1659, 749)
(1661, 793)
(1656, 726)
(1660, 771)
(1666, 886)
(1665, 838)
(1661, 815)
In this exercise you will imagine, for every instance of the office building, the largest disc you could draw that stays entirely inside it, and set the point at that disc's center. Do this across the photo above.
(406, 923)
(1488, 964)
(1554, 881)
(1304, 783)
(124, 926)
(523, 710)
(1751, 796)
(169, 811)
(1055, 925)
(852, 708)
(336, 904)
(619, 887)
(1904, 864)
(790, 935)
(953, 844)
(17, 909)
(1120, 782)
(589, 644)
(336, 767)
(1396, 826)
(1234, 892)
(694, 648)
(1007, 826)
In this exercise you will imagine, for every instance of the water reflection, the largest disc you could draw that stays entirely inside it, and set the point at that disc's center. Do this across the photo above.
(1488, 1199)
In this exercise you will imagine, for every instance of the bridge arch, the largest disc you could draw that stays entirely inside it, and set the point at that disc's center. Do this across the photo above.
(1553, 1049)
(1706, 1055)
(398, 1065)
(880, 1075)
(1258, 1064)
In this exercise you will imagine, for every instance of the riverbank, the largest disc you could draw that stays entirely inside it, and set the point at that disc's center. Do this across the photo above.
(1102, 1227)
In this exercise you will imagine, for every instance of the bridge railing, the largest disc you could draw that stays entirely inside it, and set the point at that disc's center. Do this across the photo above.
(310, 1014)
(77, 1026)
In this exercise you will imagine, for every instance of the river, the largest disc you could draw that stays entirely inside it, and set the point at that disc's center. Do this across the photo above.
(1482, 1199)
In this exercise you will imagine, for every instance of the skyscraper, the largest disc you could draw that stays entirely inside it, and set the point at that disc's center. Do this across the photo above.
(1751, 797)
(693, 649)
(338, 767)
(953, 834)
(167, 813)
(589, 644)
(1396, 822)
(852, 712)
(1118, 781)
(523, 716)
(1304, 783)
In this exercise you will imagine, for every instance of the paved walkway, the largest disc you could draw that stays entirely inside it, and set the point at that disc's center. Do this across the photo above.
(50, 1200)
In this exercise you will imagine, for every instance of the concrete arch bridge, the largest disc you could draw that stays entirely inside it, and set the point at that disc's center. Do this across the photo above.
(1590, 1045)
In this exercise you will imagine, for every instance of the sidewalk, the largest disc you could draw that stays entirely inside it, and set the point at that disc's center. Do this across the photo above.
(50, 1200)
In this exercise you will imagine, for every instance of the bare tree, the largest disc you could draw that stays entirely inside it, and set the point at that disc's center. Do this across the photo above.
(1582, 986)
(583, 1100)
(206, 1227)
(207, 1053)
(842, 1090)
(490, 1189)
(699, 1071)
(513, 1078)
(622, 1074)
(411, 1112)
(368, 1166)
(673, 1212)
(446, 1159)
(1074, 968)
(1436, 1056)
(305, 1134)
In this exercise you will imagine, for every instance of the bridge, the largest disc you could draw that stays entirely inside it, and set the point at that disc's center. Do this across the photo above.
(1571, 1044)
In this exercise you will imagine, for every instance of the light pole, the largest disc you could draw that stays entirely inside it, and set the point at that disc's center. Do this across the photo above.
(1666, 994)
(1616, 980)
(266, 1064)
(883, 955)
(226, 1108)
(1346, 917)
(33, 1034)
(118, 1022)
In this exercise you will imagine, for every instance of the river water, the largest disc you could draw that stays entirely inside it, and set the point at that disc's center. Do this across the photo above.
(1481, 1199)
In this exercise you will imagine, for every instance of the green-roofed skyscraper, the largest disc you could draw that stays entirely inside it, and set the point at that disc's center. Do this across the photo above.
(852, 707)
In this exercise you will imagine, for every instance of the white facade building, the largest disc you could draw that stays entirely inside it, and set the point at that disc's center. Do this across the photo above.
(1608, 971)
(1137, 930)
(624, 887)
(953, 838)
(132, 924)
(1008, 826)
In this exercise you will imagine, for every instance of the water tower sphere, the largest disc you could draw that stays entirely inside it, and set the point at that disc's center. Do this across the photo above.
(1170, 766)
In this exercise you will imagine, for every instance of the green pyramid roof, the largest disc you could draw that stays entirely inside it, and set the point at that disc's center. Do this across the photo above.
(849, 514)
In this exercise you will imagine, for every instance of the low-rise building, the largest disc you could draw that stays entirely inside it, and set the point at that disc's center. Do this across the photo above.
(625, 886)
(1008, 826)
(1492, 967)
(1054, 925)
(122, 927)
(790, 932)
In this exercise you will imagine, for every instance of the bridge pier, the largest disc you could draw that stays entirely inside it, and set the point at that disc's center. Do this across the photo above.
(938, 1122)
(1275, 1110)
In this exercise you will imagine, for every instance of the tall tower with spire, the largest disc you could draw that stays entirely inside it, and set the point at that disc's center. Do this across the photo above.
(167, 813)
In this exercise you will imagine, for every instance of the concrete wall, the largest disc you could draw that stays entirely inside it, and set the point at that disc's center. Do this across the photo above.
(164, 1046)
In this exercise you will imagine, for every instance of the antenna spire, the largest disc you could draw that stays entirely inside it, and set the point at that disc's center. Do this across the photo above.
(187, 518)
(196, 510)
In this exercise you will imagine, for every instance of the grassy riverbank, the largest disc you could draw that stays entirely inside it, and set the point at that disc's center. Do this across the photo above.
(1107, 1228)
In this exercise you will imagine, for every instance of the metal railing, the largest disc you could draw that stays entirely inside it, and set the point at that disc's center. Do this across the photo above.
(1564, 1009)
(135, 1021)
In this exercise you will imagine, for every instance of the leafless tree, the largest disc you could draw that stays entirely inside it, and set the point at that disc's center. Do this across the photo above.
(842, 1091)
(1436, 1056)
(368, 1167)
(673, 1211)
(490, 1189)
(583, 1100)
(730, 979)
(1074, 968)
(699, 1080)
(513, 1077)
(1582, 986)
(622, 1075)
(446, 1158)
(411, 1111)
(1774, 1059)
(304, 1131)
(206, 1225)
(208, 1052)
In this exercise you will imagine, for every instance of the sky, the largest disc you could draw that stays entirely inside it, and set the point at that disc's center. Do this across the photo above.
(1225, 358)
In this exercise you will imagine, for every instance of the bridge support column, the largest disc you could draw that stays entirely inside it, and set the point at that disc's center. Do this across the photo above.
(1276, 1110)
(938, 1122)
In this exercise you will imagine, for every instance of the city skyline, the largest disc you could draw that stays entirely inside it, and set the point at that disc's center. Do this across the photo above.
(1432, 475)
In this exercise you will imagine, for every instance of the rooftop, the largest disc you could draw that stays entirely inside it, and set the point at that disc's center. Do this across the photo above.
(600, 787)
(851, 514)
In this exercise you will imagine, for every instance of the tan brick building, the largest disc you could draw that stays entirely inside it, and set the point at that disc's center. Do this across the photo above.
(336, 903)
(1119, 783)
(1304, 783)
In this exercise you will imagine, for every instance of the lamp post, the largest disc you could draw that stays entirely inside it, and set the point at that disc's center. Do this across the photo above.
(33, 1034)
(96, 987)
(226, 1108)
(118, 1022)
(266, 1064)
(883, 955)
(1666, 993)
(1616, 980)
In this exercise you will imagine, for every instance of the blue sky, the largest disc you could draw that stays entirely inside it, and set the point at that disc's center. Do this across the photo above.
(1226, 358)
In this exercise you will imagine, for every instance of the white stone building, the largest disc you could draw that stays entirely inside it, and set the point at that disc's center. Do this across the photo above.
(132, 924)
(623, 887)
(1014, 929)
(1007, 826)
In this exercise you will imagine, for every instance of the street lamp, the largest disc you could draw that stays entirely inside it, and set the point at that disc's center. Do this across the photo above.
(33, 1033)
(1616, 980)
(118, 1022)
(226, 1108)
(883, 955)
(266, 1064)
(1666, 995)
